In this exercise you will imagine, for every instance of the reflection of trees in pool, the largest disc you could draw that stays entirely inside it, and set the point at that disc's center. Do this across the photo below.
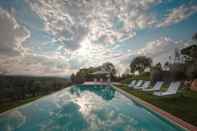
(105, 92)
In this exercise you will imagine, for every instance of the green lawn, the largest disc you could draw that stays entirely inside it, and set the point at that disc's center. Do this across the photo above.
(182, 105)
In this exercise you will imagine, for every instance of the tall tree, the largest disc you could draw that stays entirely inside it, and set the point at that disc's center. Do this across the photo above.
(166, 66)
(72, 78)
(191, 51)
(110, 68)
(140, 63)
(158, 66)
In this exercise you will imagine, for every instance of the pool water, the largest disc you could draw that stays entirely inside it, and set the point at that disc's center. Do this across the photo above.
(84, 108)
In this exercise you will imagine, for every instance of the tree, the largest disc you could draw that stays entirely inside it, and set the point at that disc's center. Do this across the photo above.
(140, 63)
(85, 74)
(72, 78)
(177, 71)
(191, 51)
(191, 71)
(166, 66)
(157, 72)
(109, 67)
(35, 88)
(126, 73)
(158, 66)
(82, 75)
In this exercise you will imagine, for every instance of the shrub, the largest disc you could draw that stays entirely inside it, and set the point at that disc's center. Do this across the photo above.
(191, 71)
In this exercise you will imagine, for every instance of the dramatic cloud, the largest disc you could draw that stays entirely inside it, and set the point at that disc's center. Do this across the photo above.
(65, 28)
(58, 37)
(12, 35)
(178, 14)
(34, 64)
(101, 21)
(161, 49)
(158, 47)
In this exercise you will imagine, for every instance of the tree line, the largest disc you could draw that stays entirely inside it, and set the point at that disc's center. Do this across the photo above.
(84, 74)
(15, 88)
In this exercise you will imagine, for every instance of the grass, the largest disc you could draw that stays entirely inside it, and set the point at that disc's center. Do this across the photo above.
(144, 76)
(12, 104)
(182, 105)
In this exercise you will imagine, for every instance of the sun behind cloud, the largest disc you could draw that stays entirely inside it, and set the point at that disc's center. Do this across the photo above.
(58, 37)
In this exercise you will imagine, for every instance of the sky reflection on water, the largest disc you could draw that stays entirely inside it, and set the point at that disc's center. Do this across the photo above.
(83, 108)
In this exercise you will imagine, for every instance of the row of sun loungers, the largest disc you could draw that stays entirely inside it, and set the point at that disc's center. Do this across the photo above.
(172, 89)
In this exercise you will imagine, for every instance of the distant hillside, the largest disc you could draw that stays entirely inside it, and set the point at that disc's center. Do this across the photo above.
(35, 77)
(21, 87)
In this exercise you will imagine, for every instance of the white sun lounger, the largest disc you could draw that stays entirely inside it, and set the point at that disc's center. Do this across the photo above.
(156, 87)
(173, 88)
(145, 85)
(132, 84)
(138, 84)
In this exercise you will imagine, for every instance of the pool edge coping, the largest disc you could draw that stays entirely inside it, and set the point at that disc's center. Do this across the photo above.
(166, 115)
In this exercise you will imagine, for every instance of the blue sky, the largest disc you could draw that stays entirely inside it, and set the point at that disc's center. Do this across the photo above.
(58, 37)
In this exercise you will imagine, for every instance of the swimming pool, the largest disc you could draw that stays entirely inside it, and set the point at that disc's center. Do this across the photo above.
(84, 108)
